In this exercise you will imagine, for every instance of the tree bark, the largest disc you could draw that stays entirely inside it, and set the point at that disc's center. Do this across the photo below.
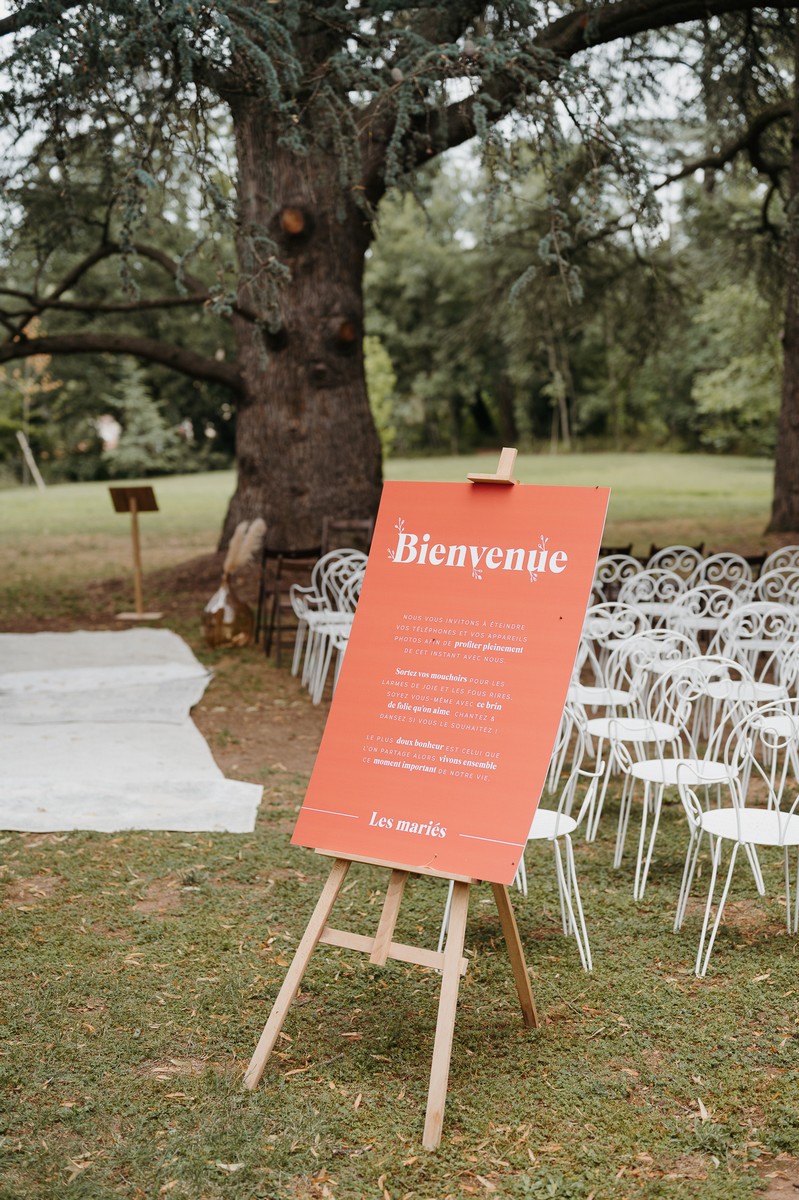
(785, 506)
(306, 443)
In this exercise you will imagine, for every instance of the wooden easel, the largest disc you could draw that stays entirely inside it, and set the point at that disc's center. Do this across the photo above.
(380, 948)
(135, 500)
(451, 963)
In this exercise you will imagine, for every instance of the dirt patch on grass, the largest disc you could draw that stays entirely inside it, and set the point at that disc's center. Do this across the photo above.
(171, 1067)
(160, 898)
(781, 1176)
(25, 893)
(746, 918)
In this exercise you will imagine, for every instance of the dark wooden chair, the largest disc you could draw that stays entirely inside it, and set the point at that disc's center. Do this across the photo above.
(274, 614)
(347, 531)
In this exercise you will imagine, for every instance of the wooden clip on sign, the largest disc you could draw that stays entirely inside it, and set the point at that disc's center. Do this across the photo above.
(504, 471)
(135, 500)
(441, 729)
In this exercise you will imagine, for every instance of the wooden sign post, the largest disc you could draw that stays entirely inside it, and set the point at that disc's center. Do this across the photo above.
(455, 677)
(135, 500)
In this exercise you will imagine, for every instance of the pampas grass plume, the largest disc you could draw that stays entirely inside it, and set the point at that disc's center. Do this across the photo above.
(246, 542)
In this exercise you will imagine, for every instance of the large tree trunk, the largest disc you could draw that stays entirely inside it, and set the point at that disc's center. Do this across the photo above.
(306, 444)
(785, 508)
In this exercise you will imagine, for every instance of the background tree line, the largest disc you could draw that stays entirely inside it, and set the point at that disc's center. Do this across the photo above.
(200, 189)
(671, 343)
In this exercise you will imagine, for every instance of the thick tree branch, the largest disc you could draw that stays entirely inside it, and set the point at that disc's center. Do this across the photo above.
(99, 308)
(198, 295)
(196, 366)
(560, 41)
(748, 141)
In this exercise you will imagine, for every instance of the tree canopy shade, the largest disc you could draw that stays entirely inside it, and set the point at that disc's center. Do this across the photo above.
(116, 121)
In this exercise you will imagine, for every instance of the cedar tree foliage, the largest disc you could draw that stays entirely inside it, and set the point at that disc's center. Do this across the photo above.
(118, 120)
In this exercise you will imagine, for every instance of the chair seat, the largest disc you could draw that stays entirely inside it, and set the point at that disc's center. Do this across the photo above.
(547, 824)
(761, 693)
(779, 726)
(693, 771)
(325, 617)
(760, 826)
(591, 696)
(632, 729)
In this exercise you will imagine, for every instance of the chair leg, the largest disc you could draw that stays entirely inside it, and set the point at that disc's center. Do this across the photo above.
(339, 660)
(592, 824)
(521, 876)
(641, 839)
(715, 856)
(787, 888)
(580, 931)
(298, 645)
(691, 856)
(445, 919)
(566, 916)
(624, 818)
(655, 822)
(308, 661)
(796, 898)
(565, 888)
(318, 686)
(754, 863)
(722, 902)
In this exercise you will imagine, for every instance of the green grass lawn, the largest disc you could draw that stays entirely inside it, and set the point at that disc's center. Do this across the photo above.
(71, 533)
(724, 502)
(138, 969)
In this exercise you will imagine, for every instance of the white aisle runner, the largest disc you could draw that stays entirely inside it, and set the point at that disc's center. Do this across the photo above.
(95, 733)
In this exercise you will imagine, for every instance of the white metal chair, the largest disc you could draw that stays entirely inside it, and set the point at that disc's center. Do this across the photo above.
(682, 560)
(318, 608)
(333, 637)
(611, 572)
(702, 610)
(697, 698)
(778, 586)
(556, 825)
(787, 557)
(764, 735)
(632, 670)
(726, 570)
(758, 634)
(607, 625)
(654, 592)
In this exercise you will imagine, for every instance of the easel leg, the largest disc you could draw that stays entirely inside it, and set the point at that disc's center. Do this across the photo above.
(388, 917)
(308, 942)
(516, 955)
(445, 1025)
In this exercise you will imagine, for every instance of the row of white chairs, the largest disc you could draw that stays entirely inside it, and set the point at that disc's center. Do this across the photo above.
(695, 567)
(325, 610)
(752, 752)
(671, 717)
(662, 713)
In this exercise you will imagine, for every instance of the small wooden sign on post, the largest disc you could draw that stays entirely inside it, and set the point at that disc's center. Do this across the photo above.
(442, 725)
(135, 500)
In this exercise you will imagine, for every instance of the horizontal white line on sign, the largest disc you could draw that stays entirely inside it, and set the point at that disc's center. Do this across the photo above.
(499, 842)
(331, 812)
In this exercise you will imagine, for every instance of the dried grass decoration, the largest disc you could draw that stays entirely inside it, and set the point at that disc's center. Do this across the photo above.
(227, 620)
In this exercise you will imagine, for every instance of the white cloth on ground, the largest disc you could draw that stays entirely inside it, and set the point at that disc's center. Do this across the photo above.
(95, 734)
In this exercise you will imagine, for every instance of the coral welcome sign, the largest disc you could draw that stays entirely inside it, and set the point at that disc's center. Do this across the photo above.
(441, 728)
